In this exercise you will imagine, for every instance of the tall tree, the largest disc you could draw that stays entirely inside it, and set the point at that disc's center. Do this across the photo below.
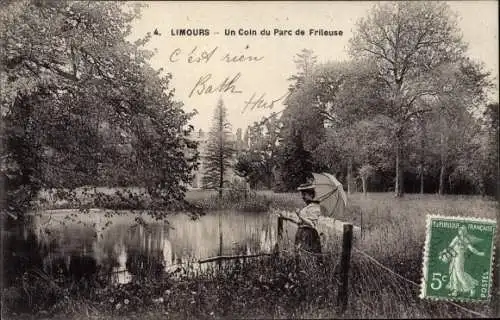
(408, 41)
(239, 140)
(295, 162)
(476, 154)
(301, 122)
(493, 138)
(300, 115)
(349, 97)
(71, 81)
(246, 138)
(258, 162)
(305, 62)
(461, 88)
(420, 151)
(220, 149)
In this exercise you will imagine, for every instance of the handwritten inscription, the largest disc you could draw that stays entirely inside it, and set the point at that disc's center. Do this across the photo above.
(194, 56)
(240, 58)
(260, 103)
(204, 85)
(197, 55)
(209, 83)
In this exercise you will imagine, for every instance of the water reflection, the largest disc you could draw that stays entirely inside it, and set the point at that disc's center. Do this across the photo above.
(125, 250)
(120, 273)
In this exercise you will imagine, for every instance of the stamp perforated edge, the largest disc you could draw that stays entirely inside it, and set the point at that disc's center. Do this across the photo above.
(428, 229)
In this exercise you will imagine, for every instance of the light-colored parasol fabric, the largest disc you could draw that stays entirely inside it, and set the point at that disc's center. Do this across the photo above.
(330, 194)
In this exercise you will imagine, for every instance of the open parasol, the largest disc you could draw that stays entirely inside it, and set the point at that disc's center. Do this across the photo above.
(329, 193)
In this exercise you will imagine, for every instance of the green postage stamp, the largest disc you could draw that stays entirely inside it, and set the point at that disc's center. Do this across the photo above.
(458, 258)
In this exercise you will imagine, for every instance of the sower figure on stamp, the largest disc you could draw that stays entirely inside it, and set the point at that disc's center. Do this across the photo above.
(460, 280)
(307, 237)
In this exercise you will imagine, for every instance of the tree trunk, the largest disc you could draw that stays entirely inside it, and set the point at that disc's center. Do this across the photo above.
(421, 179)
(363, 179)
(482, 188)
(443, 166)
(398, 188)
(441, 179)
(349, 176)
(422, 154)
(270, 176)
(221, 174)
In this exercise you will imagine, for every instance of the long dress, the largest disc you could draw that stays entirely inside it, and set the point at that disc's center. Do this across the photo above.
(460, 281)
(307, 238)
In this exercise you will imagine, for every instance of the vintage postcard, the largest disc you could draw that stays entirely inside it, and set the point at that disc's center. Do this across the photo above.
(249, 159)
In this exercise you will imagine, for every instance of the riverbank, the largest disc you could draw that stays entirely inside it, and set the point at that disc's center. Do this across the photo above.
(196, 201)
(277, 287)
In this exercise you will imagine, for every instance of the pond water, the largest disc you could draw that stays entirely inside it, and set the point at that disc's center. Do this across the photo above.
(81, 245)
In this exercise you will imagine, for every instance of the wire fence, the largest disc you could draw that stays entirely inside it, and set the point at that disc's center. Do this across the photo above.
(377, 263)
(413, 283)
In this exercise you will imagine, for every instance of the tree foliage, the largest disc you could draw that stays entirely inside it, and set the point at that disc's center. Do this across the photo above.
(257, 163)
(409, 100)
(301, 127)
(408, 42)
(220, 149)
(81, 104)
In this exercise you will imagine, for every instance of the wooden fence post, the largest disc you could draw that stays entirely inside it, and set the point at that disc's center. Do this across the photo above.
(342, 297)
(280, 228)
(280, 235)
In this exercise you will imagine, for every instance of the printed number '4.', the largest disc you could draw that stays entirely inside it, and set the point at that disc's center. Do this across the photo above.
(437, 280)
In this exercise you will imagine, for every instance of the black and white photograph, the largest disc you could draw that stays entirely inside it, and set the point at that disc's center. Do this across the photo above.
(249, 159)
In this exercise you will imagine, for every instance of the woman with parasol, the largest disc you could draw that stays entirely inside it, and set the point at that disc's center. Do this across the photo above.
(323, 195)
(307, 237)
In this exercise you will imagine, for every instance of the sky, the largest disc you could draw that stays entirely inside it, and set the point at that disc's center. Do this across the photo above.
(253, 88)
